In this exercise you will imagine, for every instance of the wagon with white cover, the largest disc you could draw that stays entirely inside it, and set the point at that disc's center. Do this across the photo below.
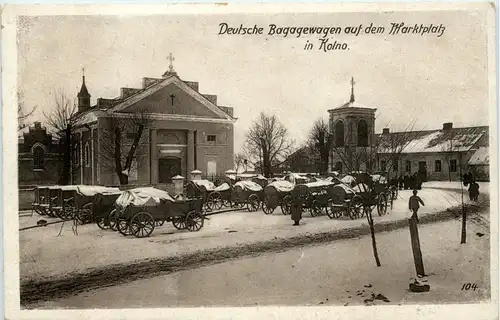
(139, 209)
(313, 196)
(277, 193)
(200, 189)
(249, 194)
(344, 202)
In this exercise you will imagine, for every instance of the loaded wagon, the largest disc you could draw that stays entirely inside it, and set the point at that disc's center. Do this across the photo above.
(260, 180)
(103, 207)
(221, 196)
(247, 193)
(139, 209)
(277, 193)
(200, 189)
(344, 202)
(313, 196)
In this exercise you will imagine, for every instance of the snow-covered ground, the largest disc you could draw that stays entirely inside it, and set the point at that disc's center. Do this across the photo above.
(342, 273)
(45, 255)
(484, 187)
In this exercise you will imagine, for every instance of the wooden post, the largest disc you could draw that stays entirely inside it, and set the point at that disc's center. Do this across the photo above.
(415, 245)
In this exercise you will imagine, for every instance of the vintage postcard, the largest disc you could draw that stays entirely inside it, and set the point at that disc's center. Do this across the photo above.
(223, 161)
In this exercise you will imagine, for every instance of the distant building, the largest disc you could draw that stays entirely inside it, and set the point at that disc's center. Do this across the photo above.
(188, 130)
(303, 160)
(440, 154)
(39, 159)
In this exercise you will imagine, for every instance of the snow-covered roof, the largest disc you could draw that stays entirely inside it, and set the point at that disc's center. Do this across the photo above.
(85, 118)
(353, 104)
(480, 157)
(452, 140)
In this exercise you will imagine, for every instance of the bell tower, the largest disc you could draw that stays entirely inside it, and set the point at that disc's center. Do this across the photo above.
(83, 95)
(353, 128)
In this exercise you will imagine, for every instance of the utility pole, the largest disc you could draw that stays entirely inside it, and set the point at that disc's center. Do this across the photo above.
(415, 245)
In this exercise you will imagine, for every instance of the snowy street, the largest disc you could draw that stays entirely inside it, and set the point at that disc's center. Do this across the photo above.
(332, 274)
(42, 251)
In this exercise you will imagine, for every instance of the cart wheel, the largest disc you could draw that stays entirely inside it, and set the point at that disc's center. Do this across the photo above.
(382, 205)
(394, 193)
(315, 209)
(84, 215)
(103, 223)
(286, 205)
(253, 203)
(142, 224)
(215, 201)
(179, 223)
(355, 209)
(194, 221)
(333, 211)
(267, 208)
(112, 220)
(123, 226)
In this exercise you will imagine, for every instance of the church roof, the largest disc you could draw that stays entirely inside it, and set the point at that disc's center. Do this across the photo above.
(431, 141)
(353, 104)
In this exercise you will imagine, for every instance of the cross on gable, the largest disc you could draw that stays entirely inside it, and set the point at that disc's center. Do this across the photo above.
(172, 96)
(171, 59)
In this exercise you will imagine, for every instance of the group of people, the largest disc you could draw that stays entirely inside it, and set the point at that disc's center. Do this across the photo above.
(407, 182)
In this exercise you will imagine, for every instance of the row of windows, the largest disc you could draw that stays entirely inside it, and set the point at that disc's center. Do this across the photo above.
(362, 130)
(437, 165)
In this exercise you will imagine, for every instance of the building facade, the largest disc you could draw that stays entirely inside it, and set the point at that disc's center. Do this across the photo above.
(441, 154)
(183, 130)
(39, 160)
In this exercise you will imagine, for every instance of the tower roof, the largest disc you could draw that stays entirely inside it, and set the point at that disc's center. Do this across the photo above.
(83, 90)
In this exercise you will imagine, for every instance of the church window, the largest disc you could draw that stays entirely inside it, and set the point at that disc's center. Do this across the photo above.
(211, 138)
(362, 134)
(339, 134)
(87, 155)
(437, 166)
(38, 158)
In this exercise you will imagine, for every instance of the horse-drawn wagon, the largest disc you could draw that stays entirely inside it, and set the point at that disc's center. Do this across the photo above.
(313, 196)
(200, 189)
(247, 193)
(277, 193)
(139, 209)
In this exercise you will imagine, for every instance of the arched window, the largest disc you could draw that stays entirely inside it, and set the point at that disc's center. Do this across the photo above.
(38, 158)
(362, 133)
(339, 134)
(87, 155)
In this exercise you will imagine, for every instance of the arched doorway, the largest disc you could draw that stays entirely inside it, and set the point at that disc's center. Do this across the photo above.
(168, 168)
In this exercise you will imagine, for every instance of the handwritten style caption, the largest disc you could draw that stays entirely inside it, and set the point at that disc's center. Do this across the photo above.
(325, 41)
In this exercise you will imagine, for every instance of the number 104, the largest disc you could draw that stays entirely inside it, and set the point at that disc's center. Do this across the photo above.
(469, 286)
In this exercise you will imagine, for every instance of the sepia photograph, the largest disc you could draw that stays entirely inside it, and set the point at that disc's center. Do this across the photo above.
(226, 156)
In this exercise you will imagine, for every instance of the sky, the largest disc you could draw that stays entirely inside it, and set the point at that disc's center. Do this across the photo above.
(427, 79)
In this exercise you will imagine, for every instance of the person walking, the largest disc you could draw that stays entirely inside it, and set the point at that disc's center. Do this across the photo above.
(414, 204)
(474, 191)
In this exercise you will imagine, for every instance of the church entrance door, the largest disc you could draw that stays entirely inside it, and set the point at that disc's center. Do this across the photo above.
(168, 168)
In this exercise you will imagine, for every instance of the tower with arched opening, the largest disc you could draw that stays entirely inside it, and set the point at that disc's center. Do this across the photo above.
(353, 128)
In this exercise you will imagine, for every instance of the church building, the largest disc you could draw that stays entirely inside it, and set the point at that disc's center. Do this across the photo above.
(182, 130)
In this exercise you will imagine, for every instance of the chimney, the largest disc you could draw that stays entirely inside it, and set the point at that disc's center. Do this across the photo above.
(385, 130)
(447, 125)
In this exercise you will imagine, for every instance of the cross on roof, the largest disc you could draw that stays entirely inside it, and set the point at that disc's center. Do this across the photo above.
(352, 89)
(171, 59)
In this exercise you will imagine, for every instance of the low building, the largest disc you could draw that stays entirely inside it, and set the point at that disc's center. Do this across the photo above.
(442, 154)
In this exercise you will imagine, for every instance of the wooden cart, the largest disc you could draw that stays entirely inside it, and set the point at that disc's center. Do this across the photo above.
(139, 209)
(343, 201)
(249, 194)
(200, 189)
(315, 197)
(277, 193)
(103, 206)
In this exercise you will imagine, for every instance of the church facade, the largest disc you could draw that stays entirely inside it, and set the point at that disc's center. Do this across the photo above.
(182, 130)
(440, 154)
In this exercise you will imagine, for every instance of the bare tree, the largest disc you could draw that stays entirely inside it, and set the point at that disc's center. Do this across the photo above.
(320, 140)
(239, 161)
(123, 132)
(22, 113)
(267, 143)
(61, 121)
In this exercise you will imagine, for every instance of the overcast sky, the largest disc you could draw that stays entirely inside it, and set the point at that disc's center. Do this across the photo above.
(424, 78)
